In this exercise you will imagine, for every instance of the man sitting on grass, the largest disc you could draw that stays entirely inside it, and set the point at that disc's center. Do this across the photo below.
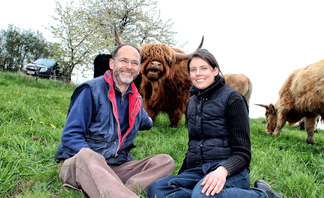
(104, 117)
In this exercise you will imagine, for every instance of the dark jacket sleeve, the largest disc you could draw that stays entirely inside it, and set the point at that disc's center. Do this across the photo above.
(238, 116)
(78, 120)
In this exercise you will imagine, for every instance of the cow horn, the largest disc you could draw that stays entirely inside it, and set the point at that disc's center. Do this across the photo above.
(116, 35)
(186, 56)
(262, 105)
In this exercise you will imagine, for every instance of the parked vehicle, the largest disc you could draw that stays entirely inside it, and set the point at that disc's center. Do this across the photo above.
(44, 68)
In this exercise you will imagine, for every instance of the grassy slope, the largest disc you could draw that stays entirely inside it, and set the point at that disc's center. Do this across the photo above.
(28, 167)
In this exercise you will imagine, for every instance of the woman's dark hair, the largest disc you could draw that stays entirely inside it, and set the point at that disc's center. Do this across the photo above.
(206, 56)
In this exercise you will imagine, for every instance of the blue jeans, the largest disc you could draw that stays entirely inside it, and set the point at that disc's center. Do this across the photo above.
(187, 185)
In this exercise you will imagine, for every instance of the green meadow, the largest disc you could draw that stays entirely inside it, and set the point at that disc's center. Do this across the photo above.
(33, 114)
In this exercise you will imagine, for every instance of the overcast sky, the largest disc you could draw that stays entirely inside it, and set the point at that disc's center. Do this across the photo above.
(264, 40)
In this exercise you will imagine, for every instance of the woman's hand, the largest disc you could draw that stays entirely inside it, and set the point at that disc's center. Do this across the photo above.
(214, 182)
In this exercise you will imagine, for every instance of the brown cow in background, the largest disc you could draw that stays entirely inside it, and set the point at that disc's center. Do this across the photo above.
(240, 83)
(301, 95)
(165, 80)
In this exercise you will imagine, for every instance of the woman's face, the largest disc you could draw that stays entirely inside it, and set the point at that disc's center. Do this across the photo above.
(201, 73)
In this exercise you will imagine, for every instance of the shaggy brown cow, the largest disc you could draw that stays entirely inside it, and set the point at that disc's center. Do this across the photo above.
(301, 95)
(165, 80)
(240, 83)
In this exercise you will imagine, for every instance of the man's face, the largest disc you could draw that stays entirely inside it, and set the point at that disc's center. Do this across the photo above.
(126, 65)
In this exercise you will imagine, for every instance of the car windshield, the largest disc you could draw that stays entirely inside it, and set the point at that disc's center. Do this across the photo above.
(45, 62)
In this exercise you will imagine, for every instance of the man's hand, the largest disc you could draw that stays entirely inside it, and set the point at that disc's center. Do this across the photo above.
(214, 182)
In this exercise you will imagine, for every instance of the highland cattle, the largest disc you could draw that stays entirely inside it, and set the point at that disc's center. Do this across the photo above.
(240, 83)
(301, 95)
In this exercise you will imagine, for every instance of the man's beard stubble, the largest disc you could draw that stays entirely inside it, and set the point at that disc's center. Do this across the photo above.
(126, 80)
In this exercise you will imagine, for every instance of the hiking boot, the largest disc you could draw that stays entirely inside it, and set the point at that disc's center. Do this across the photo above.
(264, 186)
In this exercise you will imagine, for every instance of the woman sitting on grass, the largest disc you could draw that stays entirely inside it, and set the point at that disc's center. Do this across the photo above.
(219, 153)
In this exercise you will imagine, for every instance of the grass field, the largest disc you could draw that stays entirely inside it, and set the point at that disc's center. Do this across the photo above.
(33, 114)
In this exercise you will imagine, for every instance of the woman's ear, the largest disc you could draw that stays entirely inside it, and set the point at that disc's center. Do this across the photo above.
(216, 70)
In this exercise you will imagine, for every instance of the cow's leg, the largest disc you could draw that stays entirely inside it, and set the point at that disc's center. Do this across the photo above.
(281, 121)
(317, 121)
(152, 113)
(310, 125)
(175, 117)
(301, 124)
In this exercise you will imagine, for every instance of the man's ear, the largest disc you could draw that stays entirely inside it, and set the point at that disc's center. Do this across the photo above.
(111, 64)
